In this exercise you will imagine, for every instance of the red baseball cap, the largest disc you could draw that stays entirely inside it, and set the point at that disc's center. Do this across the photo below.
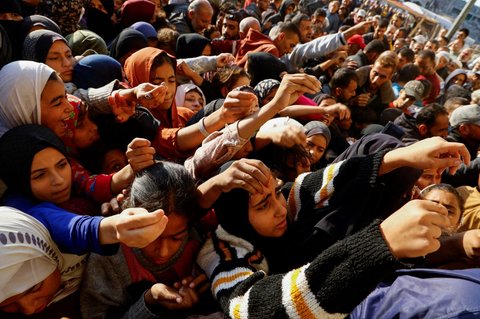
(357, 39)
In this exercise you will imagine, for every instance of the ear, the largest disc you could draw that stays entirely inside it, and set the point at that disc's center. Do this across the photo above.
(463, 129)
(338, 91)
(422, 129)
(190, 15)
(281, 36)
(224, 91)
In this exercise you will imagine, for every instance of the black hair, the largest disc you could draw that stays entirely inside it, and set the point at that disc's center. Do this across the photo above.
(408, 72)
(320, 13)
(464, 30)
(383, 23)
(452, 103)
(299, 17)
(456, 90)
(427, 54)
(166, 186)
(407, 53)
(449, 189)
(429, 113)
(375, 46)
(288, 28)
(342, 78)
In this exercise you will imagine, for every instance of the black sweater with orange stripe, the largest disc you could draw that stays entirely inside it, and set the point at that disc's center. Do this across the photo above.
(329, 287)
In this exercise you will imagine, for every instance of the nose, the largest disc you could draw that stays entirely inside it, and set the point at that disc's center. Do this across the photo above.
(66, 62)
(57, 178)
(163, 249)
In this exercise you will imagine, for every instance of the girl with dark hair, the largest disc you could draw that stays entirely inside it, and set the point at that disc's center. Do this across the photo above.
(158, 279)
(264, 233)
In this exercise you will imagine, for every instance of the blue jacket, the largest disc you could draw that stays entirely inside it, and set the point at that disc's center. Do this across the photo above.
(425, 293)
(74, 234)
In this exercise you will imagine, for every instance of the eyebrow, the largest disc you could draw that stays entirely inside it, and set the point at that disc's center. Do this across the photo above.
(178, 233)
(44, 168)
(447, 206)
(266, 198)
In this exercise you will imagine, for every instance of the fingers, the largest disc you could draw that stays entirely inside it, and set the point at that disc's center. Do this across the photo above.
(162, 292)
(198, 281)
(300, 82)
(251, 175)
(141, 221)
(140, 154)
(150, 96)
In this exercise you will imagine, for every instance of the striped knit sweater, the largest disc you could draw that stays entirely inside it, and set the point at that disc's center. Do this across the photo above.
(328, 287)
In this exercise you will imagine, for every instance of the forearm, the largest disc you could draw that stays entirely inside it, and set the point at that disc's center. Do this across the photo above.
(208, 192)
(301, 110)
(190, 137)
(122, 179)
(393, 160)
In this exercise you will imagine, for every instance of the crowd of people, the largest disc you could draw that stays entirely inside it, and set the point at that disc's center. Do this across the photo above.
(256, 159)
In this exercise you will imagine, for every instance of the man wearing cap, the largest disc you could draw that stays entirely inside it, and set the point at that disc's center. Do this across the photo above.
(355, 43)
(431, 120)
(465, 127)
(411, 92)
(442, 60)
(418, 43)
(358, 17)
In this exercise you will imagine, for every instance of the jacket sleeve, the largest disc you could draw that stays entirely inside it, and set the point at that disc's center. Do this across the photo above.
(312, 50)
(96, 187)
(217, 149)
(329, 287)
(74, 234)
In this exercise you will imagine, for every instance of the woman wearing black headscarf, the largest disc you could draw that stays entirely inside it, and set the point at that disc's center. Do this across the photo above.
(257, 235)
(261, 66)
(192, 45)
(126, 43)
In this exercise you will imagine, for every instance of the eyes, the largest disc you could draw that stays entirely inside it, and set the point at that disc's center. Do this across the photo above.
(37, 175)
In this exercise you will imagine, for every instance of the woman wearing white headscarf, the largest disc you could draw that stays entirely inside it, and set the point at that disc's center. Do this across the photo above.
(33, 93)
(34, 273)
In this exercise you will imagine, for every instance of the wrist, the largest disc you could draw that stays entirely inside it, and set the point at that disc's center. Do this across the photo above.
(391, 161)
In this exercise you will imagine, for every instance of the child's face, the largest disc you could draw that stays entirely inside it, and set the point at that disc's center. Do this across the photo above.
(429, 177)
(267, 211)
(169, 242)
(86, 133)
(51, 176)
(35, 299)
(316, 145)
(114, 161)
(449, 201)
(193, 101)
(55, 108)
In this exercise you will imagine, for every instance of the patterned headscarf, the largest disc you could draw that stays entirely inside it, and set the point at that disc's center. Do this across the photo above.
(66, 13)
(28, 255)
(263, 88)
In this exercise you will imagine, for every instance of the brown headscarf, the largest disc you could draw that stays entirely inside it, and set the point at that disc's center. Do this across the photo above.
(137, 70)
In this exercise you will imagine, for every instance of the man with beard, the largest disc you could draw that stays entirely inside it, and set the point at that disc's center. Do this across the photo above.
(374, 91)
(465, 127)
(343, 85)
(431, 120)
